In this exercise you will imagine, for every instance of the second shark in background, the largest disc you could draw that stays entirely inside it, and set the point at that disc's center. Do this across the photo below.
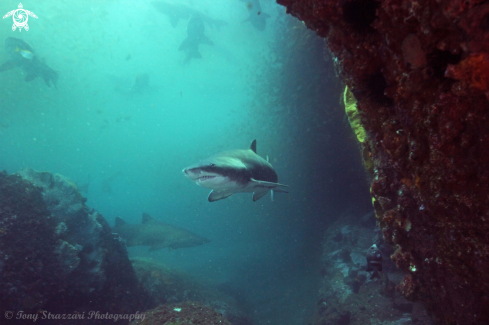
(195, 36)
(257, 17)
(21, 55)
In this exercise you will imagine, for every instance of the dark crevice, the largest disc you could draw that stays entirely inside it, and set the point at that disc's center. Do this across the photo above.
(372, 88)
(360, 14)
(484, 24)
(439, 60)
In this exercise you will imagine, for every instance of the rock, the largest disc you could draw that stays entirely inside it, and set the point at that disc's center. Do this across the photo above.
(168, 286)
(59, 255)
(420, 73)
(358, 259)
(67, 257)
(183, 313)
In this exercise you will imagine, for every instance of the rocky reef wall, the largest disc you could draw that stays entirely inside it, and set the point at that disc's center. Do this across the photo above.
(420, 74)
(59, 256)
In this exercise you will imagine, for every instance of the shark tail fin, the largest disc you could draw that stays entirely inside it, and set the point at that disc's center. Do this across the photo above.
(30, 76)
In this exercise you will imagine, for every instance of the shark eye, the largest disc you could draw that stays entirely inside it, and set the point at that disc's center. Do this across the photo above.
(212, 165)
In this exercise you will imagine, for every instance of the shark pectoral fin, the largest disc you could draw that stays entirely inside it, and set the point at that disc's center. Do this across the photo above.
(206, 40)
(7, 65)
(259, 195)
(173, 21)
(134, 241)
(31, 76)
(47, 81)
(185, 44)
(219, 195)
(157, 247)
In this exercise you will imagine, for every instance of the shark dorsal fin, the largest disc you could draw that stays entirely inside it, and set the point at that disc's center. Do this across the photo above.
(119, 222)
(147, 218)
(253, 146)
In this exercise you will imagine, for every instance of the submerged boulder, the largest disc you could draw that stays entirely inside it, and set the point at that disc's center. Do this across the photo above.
(182, 313)
(57, 254)
(170, 286)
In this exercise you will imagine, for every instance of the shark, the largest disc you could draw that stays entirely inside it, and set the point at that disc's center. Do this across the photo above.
(20, 54)
(257, 17)
(156, 234)
(236, 171)
(179, 11)
(195, 36)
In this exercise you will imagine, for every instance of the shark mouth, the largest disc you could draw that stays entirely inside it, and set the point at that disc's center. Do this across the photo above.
(198, 175)
(204, 178)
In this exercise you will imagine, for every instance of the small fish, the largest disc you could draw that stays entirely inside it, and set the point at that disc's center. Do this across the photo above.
(128, 57)
(374, 261)
(25, 53)
(21, 55)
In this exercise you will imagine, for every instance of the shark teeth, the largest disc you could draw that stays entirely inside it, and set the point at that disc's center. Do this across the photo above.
(204, 178)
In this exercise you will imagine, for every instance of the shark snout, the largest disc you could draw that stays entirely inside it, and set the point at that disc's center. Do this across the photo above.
(188, 171)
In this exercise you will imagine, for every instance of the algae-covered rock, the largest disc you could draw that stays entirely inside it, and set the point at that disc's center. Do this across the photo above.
(355, 120)
(353, 115)
(29, 274)
(420, 73)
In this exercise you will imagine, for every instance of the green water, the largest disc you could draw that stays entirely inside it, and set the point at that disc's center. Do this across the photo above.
(127, 150)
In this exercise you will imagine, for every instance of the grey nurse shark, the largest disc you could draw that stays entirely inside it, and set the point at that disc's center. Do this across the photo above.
(156, 234)
(235, 171)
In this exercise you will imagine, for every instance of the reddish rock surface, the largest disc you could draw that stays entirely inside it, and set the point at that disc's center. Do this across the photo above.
(420, 72)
